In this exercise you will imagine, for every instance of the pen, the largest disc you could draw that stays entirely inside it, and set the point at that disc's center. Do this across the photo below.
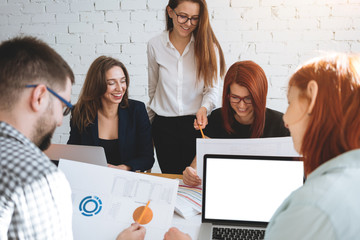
(143, 212)
(202, 134)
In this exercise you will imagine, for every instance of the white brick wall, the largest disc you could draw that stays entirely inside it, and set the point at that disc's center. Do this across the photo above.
(277, 34)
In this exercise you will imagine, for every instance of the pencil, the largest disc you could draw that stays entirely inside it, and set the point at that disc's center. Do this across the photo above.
(143, 212)
(202, 134)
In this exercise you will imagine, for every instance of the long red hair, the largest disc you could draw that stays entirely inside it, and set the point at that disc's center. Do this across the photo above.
(334, 125)
(250, 75)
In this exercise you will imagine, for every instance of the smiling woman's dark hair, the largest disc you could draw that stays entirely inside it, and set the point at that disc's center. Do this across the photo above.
(94, 88)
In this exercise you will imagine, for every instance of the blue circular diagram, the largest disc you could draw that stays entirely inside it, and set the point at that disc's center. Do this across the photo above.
(90, 206)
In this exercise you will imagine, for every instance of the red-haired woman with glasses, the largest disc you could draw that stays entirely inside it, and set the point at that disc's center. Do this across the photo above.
(185, 64)
(243, 113)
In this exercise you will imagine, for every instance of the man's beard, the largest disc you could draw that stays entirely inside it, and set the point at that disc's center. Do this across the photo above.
(44, 129)
(46, 141)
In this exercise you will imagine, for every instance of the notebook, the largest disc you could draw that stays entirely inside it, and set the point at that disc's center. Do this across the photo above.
(86, 154)
(244, 191)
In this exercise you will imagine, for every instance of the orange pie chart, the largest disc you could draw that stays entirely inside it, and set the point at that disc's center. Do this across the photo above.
(147, 215)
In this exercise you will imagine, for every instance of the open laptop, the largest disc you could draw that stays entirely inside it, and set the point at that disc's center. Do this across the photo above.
(243, 192)
(87, 154)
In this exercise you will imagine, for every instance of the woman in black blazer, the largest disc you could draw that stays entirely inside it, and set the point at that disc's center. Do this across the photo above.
(104, 116)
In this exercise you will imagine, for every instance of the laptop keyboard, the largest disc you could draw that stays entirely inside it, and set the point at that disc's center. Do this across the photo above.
(237, 234)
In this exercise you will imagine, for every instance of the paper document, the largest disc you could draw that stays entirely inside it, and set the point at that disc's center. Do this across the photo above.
(188, 202)
(279, 146)
(107, 200)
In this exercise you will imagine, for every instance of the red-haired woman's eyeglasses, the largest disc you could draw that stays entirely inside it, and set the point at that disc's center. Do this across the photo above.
(237, 99)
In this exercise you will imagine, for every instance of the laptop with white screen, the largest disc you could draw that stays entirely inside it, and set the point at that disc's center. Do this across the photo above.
(243, 192)
(80, 153)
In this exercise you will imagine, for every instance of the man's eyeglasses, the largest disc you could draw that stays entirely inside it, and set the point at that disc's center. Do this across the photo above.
(236, 99)
(183, 19)
(68, 107)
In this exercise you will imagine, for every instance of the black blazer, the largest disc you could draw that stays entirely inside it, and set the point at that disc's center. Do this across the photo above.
(135, 140)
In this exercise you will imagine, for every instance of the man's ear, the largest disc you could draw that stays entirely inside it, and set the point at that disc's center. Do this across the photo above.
(37, 97)
(312, 91)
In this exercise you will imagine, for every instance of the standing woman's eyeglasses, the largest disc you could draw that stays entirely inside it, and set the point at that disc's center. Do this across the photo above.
(183, 19)
(68, 107)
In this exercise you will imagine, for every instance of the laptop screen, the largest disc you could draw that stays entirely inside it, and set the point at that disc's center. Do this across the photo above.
(87, 154)
(247, 189)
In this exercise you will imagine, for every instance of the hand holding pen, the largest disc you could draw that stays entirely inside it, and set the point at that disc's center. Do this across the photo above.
(201, 118)
(134, 232)
(199, 127)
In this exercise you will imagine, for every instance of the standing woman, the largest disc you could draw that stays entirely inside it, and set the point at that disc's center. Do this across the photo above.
(185, 64)
(104, 116)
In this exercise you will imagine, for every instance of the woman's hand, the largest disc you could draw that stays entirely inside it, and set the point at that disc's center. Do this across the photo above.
(197, 127)
(190, 177)
(121, 166)
(176, 234)
(201, 118)
(134, 232)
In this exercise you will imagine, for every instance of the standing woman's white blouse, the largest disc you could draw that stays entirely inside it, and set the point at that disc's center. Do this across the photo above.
(173, 87)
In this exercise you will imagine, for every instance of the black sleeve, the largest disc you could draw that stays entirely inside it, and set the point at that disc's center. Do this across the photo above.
(143, 159)
(274, 124)
(215, 127)
(75, 136)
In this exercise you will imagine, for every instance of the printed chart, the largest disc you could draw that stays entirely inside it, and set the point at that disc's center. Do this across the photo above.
(107, 200)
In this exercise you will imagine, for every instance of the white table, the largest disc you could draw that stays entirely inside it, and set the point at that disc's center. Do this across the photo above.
(190, 226)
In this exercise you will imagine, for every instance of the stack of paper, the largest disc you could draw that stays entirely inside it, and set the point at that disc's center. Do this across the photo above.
(188, 201)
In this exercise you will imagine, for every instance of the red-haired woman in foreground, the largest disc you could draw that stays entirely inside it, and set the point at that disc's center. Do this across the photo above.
(243, 113)
(324, 121)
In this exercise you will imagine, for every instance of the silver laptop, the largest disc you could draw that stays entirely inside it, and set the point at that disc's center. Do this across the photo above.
(87, 154)
(243, 192)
